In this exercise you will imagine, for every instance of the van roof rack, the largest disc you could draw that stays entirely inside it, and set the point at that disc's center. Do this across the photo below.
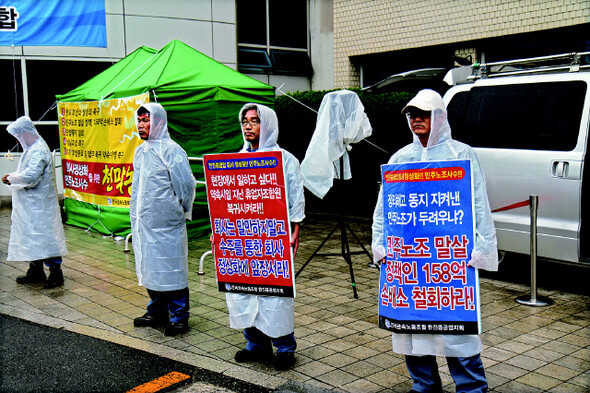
(566, 62)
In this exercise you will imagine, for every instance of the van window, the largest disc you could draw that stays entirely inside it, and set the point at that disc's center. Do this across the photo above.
(533, 116)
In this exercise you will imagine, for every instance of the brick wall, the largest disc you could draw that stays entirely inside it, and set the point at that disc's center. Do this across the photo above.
(374, 26)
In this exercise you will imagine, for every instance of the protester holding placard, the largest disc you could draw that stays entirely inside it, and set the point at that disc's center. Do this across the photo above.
(427, 118)
(36, 233)
(161, 199)
(268, 320)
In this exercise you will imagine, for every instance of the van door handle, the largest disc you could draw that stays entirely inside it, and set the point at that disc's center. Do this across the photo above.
(560, 169)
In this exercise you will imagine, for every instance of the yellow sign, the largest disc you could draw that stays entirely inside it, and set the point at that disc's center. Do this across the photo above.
(98, 140)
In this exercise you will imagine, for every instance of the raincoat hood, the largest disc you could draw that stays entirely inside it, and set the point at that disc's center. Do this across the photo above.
(158, 121)
(23, 130)
(430, 100)
(269, 126)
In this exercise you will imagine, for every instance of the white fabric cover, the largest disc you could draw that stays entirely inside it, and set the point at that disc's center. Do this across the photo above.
(441, 146)
(341, 122)
(273, 316)
(161, 199)
(36, 231)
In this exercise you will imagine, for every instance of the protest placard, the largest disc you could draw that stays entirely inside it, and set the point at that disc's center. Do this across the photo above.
(98, 140)
(425, 285)
(249, 214)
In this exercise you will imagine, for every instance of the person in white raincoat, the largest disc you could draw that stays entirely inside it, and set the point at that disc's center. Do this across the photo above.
(36, 233)
(161, 199)
(427, 118)
(267, 319)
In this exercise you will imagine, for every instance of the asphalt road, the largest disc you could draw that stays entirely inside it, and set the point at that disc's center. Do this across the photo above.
(35, 358)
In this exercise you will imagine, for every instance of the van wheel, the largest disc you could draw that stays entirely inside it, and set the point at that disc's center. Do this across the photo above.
(501, 256)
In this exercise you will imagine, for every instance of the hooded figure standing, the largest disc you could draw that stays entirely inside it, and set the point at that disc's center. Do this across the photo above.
(427, 118)
(161, 199)
(267, 319)
(36, 233)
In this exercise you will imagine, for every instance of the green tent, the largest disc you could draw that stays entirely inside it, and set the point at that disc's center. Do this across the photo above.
(202, 98)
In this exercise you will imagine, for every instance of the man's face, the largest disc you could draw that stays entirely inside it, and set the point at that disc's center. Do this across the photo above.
(419, 122)
(143, 126)
(251, 128)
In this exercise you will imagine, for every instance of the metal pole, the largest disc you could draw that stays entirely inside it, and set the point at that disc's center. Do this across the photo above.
(534, 204)
(533, 299)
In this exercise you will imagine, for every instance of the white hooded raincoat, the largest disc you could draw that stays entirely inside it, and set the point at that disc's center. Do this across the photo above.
(36, 231)
(273, 316)
(161, 199)
(441, 146)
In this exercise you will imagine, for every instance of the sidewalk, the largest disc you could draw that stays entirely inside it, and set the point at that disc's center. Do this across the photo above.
(340, 347)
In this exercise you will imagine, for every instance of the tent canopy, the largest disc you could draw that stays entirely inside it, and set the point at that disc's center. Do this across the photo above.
(202, 98)
(176, 71)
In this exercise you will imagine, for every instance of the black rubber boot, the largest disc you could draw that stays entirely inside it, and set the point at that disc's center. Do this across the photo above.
(56, 278)
(34, 275)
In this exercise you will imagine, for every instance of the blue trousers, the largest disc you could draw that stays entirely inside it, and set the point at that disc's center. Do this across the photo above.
(51, 261)
(170, 303)
(467, 373)
(258, 341)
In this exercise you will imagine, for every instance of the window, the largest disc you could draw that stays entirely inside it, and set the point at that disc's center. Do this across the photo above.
(273, 37)
(45, 80)
(534, 116)
(48, 78)
(254, 60)
(12, 99)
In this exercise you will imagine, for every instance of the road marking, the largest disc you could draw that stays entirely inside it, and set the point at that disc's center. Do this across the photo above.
(160, 383)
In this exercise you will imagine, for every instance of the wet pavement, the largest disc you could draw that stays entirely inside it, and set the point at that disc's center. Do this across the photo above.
(340, 347)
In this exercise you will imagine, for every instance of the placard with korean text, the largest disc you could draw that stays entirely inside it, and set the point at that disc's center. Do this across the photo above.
(425, 285)
(247, 201)
(98, 141)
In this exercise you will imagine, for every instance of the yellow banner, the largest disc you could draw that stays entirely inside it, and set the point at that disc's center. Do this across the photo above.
(98, 140)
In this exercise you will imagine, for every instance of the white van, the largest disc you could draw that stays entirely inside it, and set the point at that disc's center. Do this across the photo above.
(528, 122)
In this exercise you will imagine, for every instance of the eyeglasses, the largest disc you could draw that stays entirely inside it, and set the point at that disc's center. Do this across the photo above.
(414, 113)
(253, 122)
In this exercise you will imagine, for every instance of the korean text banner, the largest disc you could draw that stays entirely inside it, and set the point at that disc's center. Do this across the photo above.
(250, 223)
(425, 285)
(53, 23)
(98, 141)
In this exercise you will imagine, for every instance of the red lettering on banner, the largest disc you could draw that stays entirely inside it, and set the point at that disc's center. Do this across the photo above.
(445, 272)
(443, 297)
(444, 245)
(395, 296)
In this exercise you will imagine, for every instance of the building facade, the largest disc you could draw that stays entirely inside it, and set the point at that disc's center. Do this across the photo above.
(375, 39)
(33, 75)
(298, 45)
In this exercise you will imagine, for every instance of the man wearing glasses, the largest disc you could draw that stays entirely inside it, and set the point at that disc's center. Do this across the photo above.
(427, 118)
(267, 320)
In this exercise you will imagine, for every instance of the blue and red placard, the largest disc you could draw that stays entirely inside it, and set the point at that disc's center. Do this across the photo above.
(249, 214)
(425, 285)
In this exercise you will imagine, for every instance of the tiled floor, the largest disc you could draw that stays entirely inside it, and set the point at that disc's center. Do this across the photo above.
(340, 347)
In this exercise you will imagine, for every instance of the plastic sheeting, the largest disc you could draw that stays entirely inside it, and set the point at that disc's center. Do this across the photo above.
(161, 199)
(341, 122)
(273, 316)
(441, 146)
(36, 231)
